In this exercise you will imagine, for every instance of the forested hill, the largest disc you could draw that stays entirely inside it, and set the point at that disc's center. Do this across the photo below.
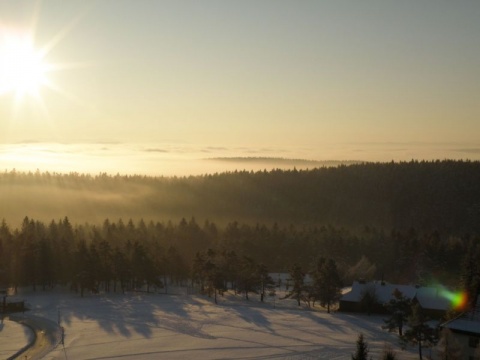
(440, 195)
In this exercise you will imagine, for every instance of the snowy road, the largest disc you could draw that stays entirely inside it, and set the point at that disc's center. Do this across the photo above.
(47, 335)
(13, 338)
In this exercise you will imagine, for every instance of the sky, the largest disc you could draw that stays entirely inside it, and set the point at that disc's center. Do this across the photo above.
(368, 80)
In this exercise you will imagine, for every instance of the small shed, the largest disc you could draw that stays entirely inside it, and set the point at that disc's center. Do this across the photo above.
(10, 304)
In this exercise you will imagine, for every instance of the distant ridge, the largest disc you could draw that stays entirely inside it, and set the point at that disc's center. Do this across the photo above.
(287, 161)
(419, 195)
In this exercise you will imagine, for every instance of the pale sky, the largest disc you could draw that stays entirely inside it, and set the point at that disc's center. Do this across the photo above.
(251, 74)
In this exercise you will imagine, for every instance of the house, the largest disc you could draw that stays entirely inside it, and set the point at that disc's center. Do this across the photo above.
(433, 301)
(284, 281)
(466, 330)
(371, 297)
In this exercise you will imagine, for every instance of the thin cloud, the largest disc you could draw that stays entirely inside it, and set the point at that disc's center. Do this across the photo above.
(470, 151)
(283, 161)
(153, 150)
(217, 148)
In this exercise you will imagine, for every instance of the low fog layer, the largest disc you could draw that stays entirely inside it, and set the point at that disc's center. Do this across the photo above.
(178, 159)
(424, 195)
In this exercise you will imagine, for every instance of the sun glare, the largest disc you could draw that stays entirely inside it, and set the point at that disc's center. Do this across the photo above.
(23, 69)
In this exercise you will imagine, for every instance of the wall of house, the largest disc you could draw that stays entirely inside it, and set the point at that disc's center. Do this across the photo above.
(467, 344)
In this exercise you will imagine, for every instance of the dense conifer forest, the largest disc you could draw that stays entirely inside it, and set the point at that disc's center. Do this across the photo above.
(425, 196)
(414, 222)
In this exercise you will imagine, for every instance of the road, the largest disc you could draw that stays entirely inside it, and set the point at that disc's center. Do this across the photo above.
(47, 336)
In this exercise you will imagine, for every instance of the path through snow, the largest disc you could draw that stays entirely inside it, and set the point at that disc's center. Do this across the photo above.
(47, 335)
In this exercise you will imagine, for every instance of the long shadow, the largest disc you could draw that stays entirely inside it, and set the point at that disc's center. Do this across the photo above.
(136, 314)
(335, 323)
(324, 319)
(257, 318)
(365, 323)
(123, 314)
(251, 314)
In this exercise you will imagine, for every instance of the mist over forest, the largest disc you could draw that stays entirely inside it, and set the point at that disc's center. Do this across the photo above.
(438, 195)
(410, 222)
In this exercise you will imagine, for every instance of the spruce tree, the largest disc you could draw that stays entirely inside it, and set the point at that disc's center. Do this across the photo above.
(362, 349)
(419, 333)
(297, 275)
(471, 274)
(389, 354)
(399, 308)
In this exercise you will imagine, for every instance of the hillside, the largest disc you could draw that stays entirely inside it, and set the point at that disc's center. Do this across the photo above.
(442, 195)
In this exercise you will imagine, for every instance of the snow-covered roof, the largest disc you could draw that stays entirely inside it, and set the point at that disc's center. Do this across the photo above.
(468, 322)
(431, 298)
(284, 277)
(14, 299)
(381, 290)
(428, 297)
(464, 325)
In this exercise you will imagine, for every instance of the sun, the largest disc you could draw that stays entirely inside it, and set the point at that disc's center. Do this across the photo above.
(23, 68)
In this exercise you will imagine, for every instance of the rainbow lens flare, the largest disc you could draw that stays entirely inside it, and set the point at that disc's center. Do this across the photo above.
(458, 300)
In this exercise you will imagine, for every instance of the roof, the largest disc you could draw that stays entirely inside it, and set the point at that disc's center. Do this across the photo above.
(468, 322)
(432, 298)
(383, 291)
(428, 297)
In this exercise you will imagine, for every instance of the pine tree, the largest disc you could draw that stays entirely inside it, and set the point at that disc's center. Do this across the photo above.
(471, 274)
(266, 281)
(121, 269)
(248, 277)
(369, 299)
(399, 308)
(328, 283)
(297, 275)
(198, 269)
(362, 349)
(389, 354)
(419, 333)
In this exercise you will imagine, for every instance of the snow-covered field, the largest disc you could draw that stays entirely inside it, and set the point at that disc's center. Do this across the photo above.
(154, 326)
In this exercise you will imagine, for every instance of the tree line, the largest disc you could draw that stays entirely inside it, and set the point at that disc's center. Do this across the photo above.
(424, 195)
(118, 255)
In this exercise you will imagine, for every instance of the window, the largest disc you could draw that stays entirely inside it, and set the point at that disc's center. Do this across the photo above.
(473, 341)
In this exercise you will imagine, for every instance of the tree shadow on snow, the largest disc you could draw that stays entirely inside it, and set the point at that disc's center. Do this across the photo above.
(124, 314)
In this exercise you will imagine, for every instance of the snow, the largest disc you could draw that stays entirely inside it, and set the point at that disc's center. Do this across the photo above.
(152, 326)
(13, 337)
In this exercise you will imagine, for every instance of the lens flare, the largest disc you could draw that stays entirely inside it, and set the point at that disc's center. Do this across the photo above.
(458, 300)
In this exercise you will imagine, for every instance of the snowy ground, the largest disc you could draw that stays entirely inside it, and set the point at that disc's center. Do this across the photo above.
(13, 337)
(153, 326)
